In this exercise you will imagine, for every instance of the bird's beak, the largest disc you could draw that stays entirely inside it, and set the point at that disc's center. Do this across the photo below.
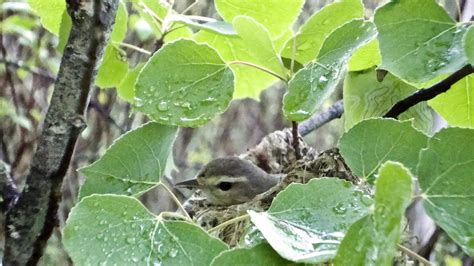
(190, 183)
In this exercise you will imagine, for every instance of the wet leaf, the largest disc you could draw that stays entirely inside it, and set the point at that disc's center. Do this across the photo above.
(184, 84)
(370, 143)
(133, 164)
(314, 83)
(111, 229)
(373, 239)
(306, 223)
(446, 174)
(418, 46)
(313, 32)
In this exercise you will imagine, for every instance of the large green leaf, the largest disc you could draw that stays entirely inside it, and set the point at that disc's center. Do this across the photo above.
(258, 43)
(261, 254)
(306, 223)
(249, 81)
(133, 164)
(418, 40)
(113, 68)
(313, 32)
(275, 15)
(366, 97)
(185, 84)
(313, 84)
(118, 230)
(373, 240)
(446, 174)
(372, 142)
(456, 105)
(469, 45)
(50, 13)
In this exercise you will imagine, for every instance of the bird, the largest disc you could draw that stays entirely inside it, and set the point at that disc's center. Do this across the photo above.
(231, 180)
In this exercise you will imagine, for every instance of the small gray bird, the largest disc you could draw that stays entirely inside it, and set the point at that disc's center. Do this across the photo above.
(231, 180)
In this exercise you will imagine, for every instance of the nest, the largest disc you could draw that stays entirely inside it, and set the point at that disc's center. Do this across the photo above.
(276, 155)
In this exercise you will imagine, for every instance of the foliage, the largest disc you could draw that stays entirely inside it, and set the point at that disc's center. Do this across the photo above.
(202, 67)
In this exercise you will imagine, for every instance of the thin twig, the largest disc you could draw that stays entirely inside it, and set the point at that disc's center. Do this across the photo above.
(414, 255)
(229, 222)
(259, 68)
(176, 200)
(320, 119)
(428, 93)
(95, 105)
(37, 72)
(133, 47)
(296, 141)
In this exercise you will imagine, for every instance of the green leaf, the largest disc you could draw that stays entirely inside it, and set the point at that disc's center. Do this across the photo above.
(418, 46)
(113, 69)
(117, 230)
(64, 30)
(456, 104)
(372, 142)
(261, 254)
(365, 57)
(133, 164)
(373, 240)
(366, 97)
(120, 26)
(259, 45)
(313, 84)
(446, 174)
(276, 16)
(313, 32)
(469, 45)
(50, 13)
(249, 81)
(306, 223)
(184, 84)
(126, 89)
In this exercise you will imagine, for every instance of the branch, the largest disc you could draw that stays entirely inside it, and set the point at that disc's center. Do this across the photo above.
(34, 71)
(31, 220)
(320, 119)
(428, 93)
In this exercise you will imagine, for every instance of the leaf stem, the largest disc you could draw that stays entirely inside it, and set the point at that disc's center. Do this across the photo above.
(414, 255)
(176, 200)
(259, 68)
(228, 222)
(133, 47)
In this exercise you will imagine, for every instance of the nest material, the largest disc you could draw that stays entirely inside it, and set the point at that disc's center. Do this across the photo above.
(275, 155)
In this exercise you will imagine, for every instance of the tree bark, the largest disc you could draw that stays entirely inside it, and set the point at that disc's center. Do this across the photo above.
(30, 222)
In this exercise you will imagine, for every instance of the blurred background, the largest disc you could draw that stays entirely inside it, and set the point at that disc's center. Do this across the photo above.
(29, 60)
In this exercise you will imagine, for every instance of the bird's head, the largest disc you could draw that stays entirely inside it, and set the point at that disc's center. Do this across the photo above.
(231, 180)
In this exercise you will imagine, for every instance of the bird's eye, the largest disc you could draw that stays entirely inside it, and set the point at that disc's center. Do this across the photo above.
(224, 186)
